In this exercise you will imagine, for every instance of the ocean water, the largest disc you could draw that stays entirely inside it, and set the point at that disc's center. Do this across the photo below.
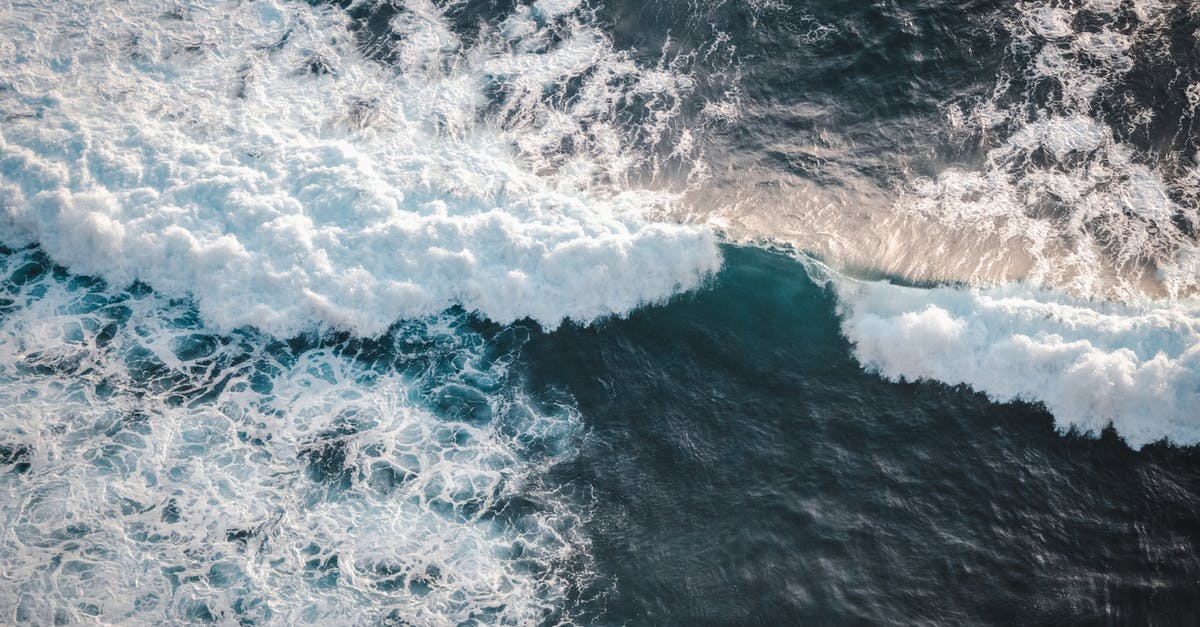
(433, 312)
(742, 469)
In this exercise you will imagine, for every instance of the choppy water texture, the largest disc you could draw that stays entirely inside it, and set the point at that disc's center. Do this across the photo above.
(564, 312)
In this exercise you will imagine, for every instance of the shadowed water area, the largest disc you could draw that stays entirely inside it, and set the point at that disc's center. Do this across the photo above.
(749, 312)
(744, 470)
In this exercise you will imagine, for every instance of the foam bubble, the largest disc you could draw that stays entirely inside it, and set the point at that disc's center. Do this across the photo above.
(248, 155)
(1048, 21)
(1092, 364)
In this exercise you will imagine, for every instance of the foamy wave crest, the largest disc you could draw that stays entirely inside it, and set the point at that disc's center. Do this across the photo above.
(1088, 196)
(153, 472)
(252, 156)
(1136, 368)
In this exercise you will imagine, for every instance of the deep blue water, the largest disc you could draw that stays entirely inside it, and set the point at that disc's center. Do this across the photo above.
(718, 457)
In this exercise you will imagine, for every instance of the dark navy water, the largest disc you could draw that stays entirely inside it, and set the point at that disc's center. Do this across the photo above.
(719, 457)
(742, 469)
(833, 88)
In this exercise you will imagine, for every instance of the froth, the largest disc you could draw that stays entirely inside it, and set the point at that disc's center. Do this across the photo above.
(1062, 180)
(247, 154)
(1091, 364)
(156, 473)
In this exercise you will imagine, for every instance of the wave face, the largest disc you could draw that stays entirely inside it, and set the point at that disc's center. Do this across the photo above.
(750, 472)
(305, 307)
(251, 156)
(1038, 160)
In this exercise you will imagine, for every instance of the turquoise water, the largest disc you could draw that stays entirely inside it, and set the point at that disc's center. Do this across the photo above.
(744, 470)
(554, 312)
(718, 459)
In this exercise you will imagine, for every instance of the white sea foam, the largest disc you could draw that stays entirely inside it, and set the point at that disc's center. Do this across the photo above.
(163, 465)
(1093, 216)
(1102, 325)
(248, 155)
(157, 474)
(1092, 364)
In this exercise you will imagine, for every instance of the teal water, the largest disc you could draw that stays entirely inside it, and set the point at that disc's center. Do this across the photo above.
(341, 171)
(743, 469)
(717, 459)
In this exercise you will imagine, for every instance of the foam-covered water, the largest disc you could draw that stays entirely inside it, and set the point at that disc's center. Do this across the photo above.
(239, 172)
(1076, 176)
(248, 155)
(1092, 364)
(473, 221)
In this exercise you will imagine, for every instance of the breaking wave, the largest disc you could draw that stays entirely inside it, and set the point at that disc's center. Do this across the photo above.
(252, 156)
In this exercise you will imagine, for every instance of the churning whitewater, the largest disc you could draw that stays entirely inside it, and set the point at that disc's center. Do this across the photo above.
(247, 155)
(272, 269)
(236, 172)
(166, 474)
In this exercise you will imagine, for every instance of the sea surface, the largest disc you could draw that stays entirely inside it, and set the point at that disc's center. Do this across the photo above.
(492, 312)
